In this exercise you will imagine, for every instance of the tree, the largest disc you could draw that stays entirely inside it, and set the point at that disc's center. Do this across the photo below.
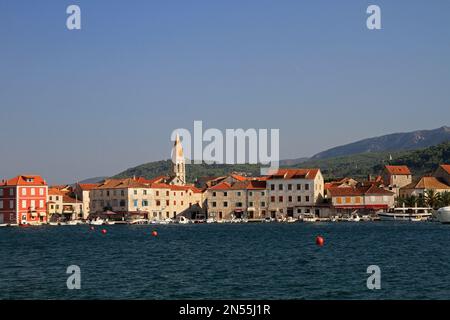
(432, 198)
(408, 201)
(445, 199)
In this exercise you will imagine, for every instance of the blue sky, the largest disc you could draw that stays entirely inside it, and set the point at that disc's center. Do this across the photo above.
(77, 104)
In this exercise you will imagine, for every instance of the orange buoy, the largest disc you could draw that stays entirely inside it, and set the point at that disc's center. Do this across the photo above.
(154, 233)
(104, 231)
(320, 241)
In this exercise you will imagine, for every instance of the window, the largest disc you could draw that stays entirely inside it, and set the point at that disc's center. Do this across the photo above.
(214, 204)
(182, 202)
(263, 193)
(157, 193)
(225, 194)
(57, 198)
(280, 199)
(339, 200)
(299, 199)
(307, 198)
(11, 204)
(289, 186)
(24, 191)
(263, 204)
(41, 203)
(272, 199)
(24, 204)
(280, 187)
(306, 186)
(238, 204)
(299, 210)
(158, 203)
(135, 203)
(107, 193)
(122, 203)
(348, 200)
(1, 192)
(299, 186)
(290, 198)
(144, 203)
(238, 193)
(174, 202)
(33, 191)
(358, 200)
(1, 204)
(167, 193)
(122, 193)
(250, 204)
(225, 204)
(250, 194)
(145, 192)
(272, 187)
(135, 192)
(33, 204)
(11, 192)
(167, 203)
(214, 194)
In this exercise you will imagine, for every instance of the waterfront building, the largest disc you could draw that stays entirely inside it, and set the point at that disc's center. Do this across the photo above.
(364, 198)
(150, 199)
(396, 177)
(237, 198)
(443, 173)
(419, 188)
(82, 192)
(23, 200)
(295, 192)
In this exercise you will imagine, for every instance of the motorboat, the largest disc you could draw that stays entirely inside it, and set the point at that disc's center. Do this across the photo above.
(210, 220)
(183, 220)
(97, 222)
(139, 221)
(443, 215)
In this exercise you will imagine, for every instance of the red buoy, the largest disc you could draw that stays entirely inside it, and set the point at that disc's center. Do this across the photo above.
(104, 231)
(320, 241)
(154, 233)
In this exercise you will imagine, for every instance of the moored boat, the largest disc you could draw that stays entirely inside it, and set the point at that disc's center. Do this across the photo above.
(443, 215)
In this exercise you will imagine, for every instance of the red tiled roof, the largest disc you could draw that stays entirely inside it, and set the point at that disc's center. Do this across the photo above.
(88, 186)
(22, 180)
(221, 186)
(427, 183)
(358, 191)
(295, 174)
(67, 199)
(398, 170)
(446, 167)
(55, 192)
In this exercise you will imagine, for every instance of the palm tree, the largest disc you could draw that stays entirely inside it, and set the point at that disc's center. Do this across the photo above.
(445, 199)
(432, 198)
(408, 201)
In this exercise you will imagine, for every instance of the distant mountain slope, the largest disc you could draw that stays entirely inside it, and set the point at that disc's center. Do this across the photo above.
(423, 161)
(193, 171)
(93, 180)
(392, 142)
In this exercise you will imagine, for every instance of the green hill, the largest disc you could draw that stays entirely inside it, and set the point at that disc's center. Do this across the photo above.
(423, 161)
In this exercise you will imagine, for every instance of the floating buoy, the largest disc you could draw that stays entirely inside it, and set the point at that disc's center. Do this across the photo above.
(154, 233)
(92, 228)
(104, 231)
(320, 241)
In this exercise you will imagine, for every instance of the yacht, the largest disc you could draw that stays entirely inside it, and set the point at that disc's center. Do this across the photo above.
(406, 214)
(443, 215)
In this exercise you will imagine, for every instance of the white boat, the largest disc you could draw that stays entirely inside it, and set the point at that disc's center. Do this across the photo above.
(3, 225)
(183, 220)
(443, 215)
(97, 222)
(406, 214)
(72, 223)
(309, 218)
(139, 221)
(210, 220)
(365, 218)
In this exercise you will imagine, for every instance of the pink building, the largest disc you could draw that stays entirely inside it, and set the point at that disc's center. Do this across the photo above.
(23, 200)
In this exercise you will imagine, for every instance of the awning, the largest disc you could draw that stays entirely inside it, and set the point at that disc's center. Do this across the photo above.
(42, 214)
(34, 214)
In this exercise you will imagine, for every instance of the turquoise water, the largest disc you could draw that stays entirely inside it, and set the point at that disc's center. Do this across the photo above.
(235, 261)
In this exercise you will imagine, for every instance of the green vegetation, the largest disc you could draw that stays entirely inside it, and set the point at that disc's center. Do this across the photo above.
(421, 162)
